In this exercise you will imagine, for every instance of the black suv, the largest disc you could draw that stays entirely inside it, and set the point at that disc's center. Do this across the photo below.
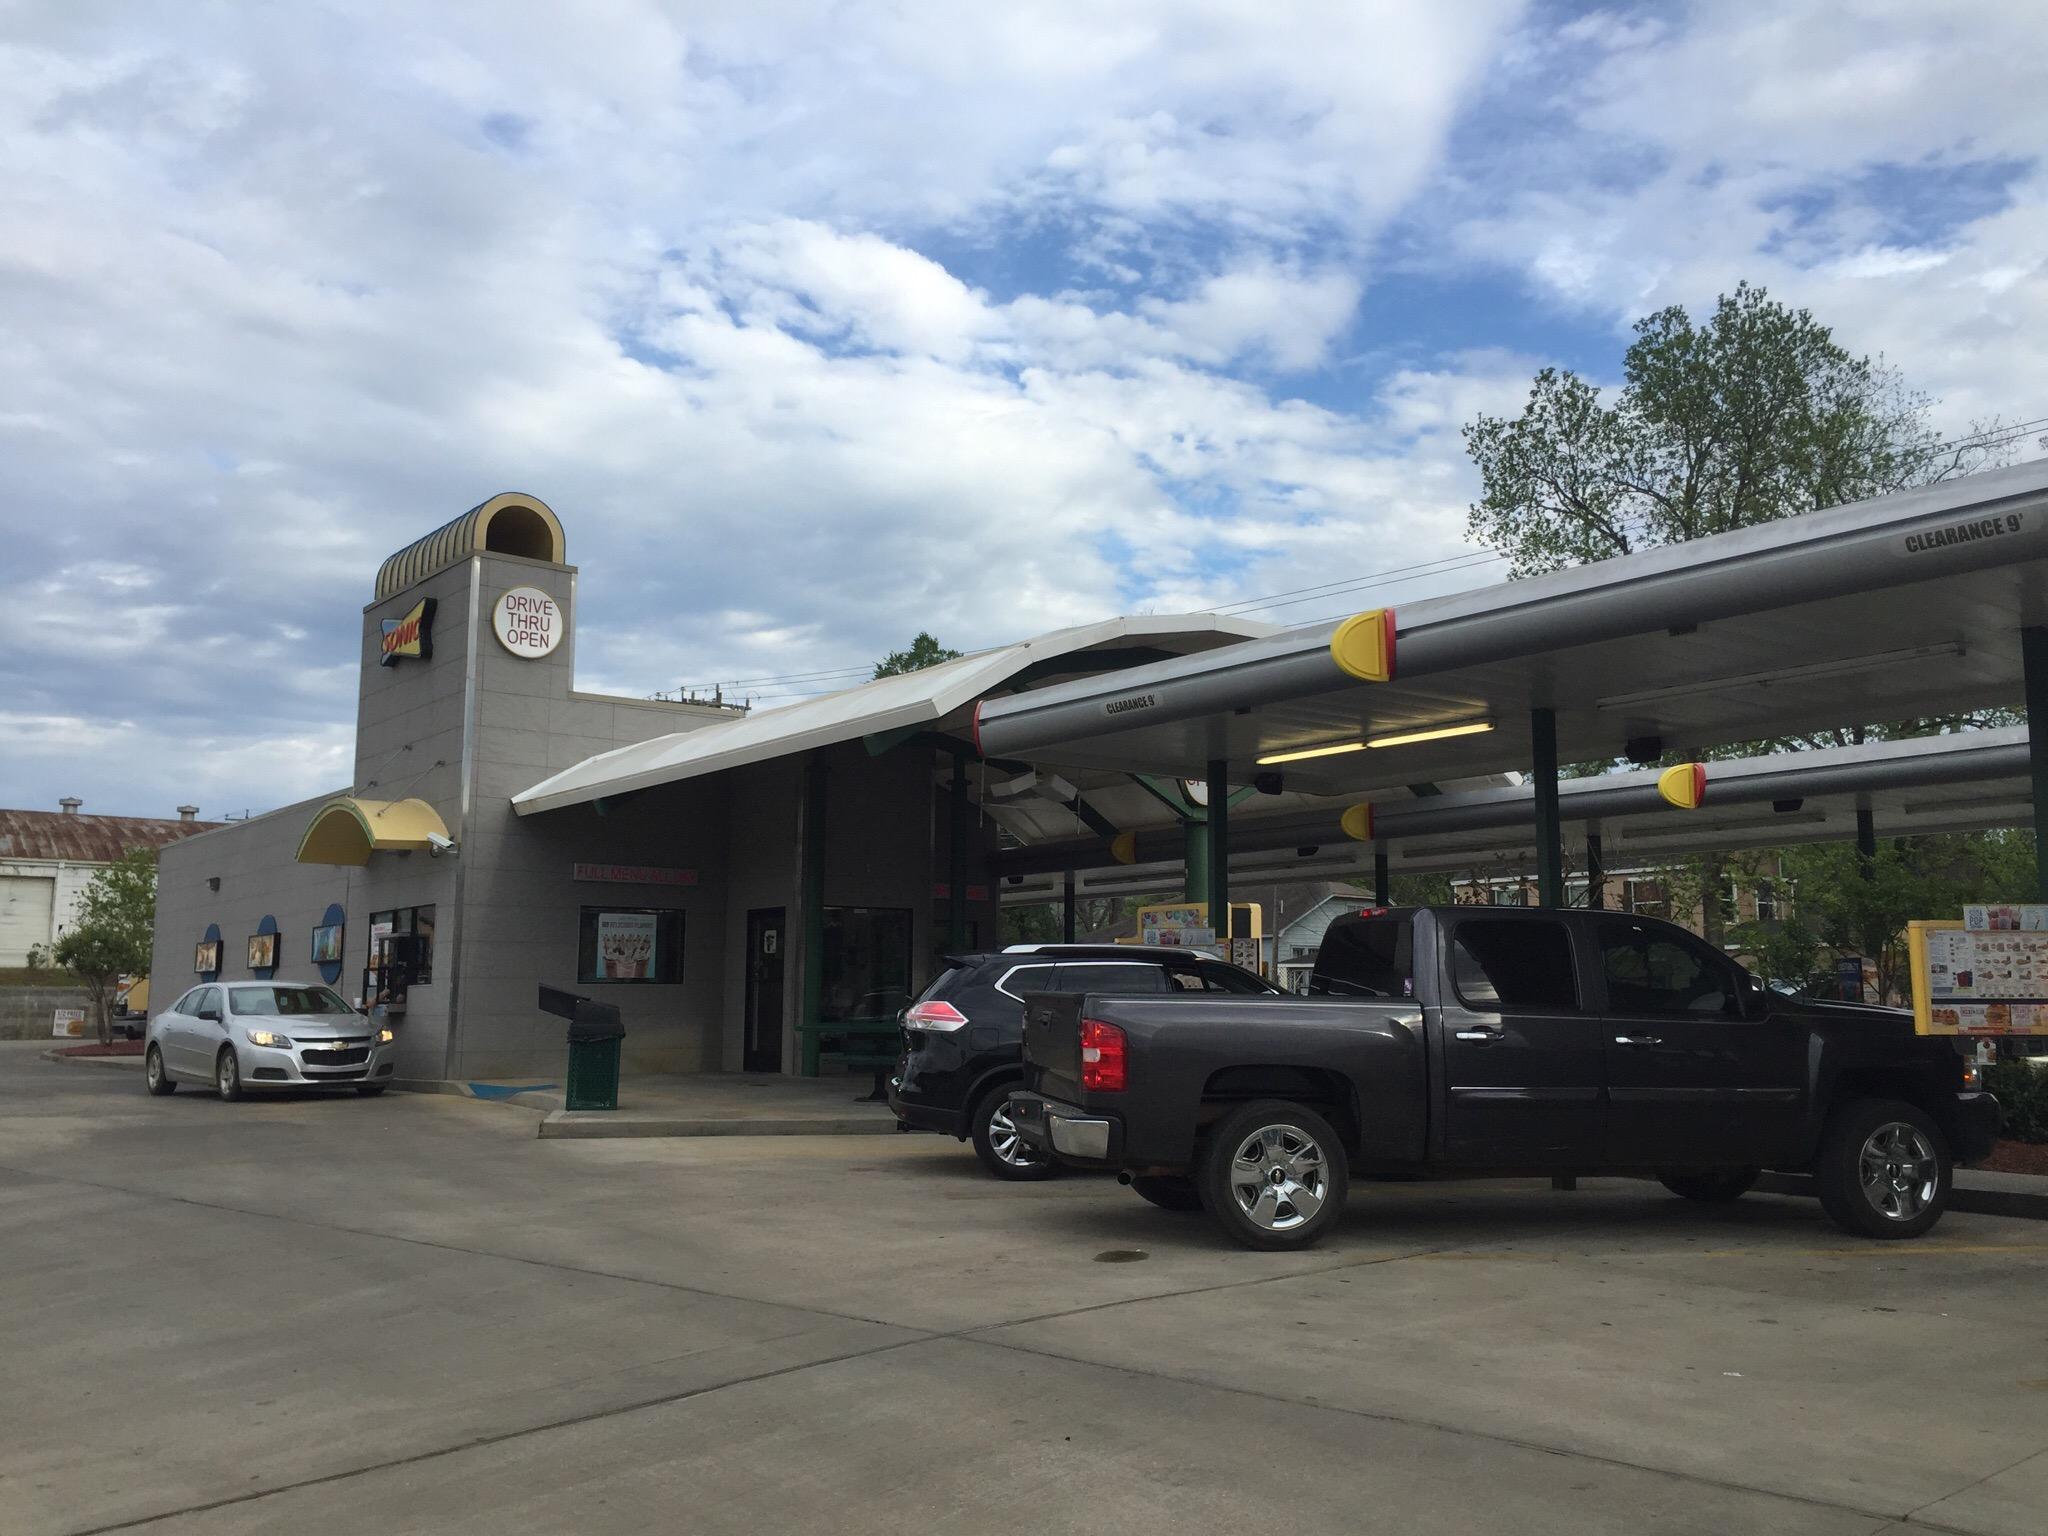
(963, 1039)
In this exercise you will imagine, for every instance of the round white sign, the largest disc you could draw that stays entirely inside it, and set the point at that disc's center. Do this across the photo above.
(528, 622)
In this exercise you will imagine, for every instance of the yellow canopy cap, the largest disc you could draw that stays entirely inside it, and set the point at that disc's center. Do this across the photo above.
(347, 830)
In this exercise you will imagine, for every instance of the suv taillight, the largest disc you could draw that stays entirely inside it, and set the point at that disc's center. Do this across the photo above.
(939, 1018)
(1102, 1056)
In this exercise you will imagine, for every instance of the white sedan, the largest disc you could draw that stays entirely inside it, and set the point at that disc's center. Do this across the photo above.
(239, 1035)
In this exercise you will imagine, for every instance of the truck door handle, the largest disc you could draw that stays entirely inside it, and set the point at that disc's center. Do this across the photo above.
(1487, 1032)
(1638, 1040)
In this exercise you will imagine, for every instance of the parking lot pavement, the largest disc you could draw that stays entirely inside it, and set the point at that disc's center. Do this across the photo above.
(411, 1314)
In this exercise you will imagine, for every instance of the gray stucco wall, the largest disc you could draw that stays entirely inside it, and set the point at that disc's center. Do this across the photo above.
(471, 726)
(259, 876)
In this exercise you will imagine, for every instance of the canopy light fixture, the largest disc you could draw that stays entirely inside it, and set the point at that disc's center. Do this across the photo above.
(1436, 733)
(1403, 739)
(1307, 752)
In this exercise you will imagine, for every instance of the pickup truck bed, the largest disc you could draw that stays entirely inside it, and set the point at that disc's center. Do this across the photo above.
(1461, 1040)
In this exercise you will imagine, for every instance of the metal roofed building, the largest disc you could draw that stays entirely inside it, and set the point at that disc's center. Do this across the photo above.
(1925, 602)
(47, 858)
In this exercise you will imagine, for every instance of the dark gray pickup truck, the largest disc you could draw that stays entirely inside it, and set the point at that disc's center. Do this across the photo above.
(1444, 1040)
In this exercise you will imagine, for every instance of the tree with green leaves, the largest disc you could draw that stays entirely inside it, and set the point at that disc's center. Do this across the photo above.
(111, 935)
(1755, 414)
(1858, 906)
(922, 652)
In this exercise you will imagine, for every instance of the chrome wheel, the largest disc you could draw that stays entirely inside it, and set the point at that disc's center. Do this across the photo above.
(1279, 1177)
(228, 1075)
(1898, 1170)
(1004, 1141)
(153, 1069)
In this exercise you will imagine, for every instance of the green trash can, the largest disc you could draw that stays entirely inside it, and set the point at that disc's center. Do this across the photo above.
(595, 1035)
(593, 1073)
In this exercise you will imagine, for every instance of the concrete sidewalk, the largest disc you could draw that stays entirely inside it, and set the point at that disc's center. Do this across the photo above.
(728, 1104)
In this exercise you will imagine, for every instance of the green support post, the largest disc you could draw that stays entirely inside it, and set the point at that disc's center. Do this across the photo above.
(1194, 859)
(956, 859)
(1382, 879)
(1866, 842)
(2034, 656)
(1218, 894)
(1068, 914)
(1549, 830)
(1596, 873)
(811, 894)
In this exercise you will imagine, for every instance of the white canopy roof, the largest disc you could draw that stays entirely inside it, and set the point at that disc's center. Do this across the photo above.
(913, 699)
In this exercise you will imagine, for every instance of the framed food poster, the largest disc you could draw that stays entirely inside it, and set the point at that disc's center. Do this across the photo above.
(262, 951)
(1978, 980)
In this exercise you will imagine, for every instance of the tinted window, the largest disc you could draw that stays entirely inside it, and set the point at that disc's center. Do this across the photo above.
(1018, 980)
(1228, 978)
(203, 999)
(943, 982)
(1648, 971)
(1366, 957)
(1112, 976)
(1513, 965)
(290, 1001)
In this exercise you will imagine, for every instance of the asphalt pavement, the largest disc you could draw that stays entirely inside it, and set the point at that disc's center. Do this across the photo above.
(412, 1314)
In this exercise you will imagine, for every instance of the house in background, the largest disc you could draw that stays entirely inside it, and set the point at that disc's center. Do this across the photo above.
(1295, 942)
(48, 857)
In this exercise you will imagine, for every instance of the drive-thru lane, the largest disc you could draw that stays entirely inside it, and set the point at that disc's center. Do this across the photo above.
(412, 1314)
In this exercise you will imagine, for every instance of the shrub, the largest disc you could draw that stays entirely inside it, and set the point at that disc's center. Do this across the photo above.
(2022, 1091)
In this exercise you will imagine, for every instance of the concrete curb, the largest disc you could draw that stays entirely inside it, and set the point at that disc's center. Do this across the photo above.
(610, 1125)
(1973, 1192)
(92, 1061)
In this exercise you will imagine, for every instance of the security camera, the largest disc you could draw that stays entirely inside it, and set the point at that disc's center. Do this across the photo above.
(438, 844)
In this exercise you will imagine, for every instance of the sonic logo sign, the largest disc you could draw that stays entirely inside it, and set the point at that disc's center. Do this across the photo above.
(410, 636)
(527, 622)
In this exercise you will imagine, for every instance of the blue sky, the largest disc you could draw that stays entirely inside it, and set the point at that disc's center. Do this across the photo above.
(822, 323)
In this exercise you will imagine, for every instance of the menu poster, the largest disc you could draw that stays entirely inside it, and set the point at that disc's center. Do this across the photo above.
(2006, 919)
(1981, 980)
(625, 945)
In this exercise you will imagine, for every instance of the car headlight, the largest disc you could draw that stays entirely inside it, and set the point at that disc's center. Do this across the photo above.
(270, 1038)
(385, 1036)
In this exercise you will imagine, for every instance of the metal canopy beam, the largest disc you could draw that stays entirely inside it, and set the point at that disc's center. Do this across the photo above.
(1907, 604)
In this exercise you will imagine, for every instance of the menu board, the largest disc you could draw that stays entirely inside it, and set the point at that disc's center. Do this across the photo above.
(1183, 925)
(1981, 976)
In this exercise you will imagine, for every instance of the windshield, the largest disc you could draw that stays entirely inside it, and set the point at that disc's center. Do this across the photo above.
(285, 1001)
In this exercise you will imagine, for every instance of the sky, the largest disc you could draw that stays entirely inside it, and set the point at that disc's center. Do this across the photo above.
(820, 324)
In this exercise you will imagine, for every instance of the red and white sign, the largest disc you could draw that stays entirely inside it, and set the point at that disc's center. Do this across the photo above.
(633, 874)
(528, 622)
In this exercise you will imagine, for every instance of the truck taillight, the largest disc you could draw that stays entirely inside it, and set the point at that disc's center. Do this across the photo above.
(1102, 1056)
(939, 1018)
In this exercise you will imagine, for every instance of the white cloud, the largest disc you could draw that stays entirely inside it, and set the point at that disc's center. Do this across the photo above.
(822, 323)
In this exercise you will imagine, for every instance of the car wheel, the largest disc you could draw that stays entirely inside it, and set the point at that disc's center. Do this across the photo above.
(1713, 1186)
(227, 1075)
(1168, 1191)
(370, 1090)
(996, 1142)
(1884, 1170)
(154, 1077)
(1273, 1174)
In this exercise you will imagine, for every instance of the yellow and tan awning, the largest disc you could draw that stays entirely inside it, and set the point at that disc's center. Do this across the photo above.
(347, 831)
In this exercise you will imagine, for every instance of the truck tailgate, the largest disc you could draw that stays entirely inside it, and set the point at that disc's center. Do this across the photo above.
(1052, 1043)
